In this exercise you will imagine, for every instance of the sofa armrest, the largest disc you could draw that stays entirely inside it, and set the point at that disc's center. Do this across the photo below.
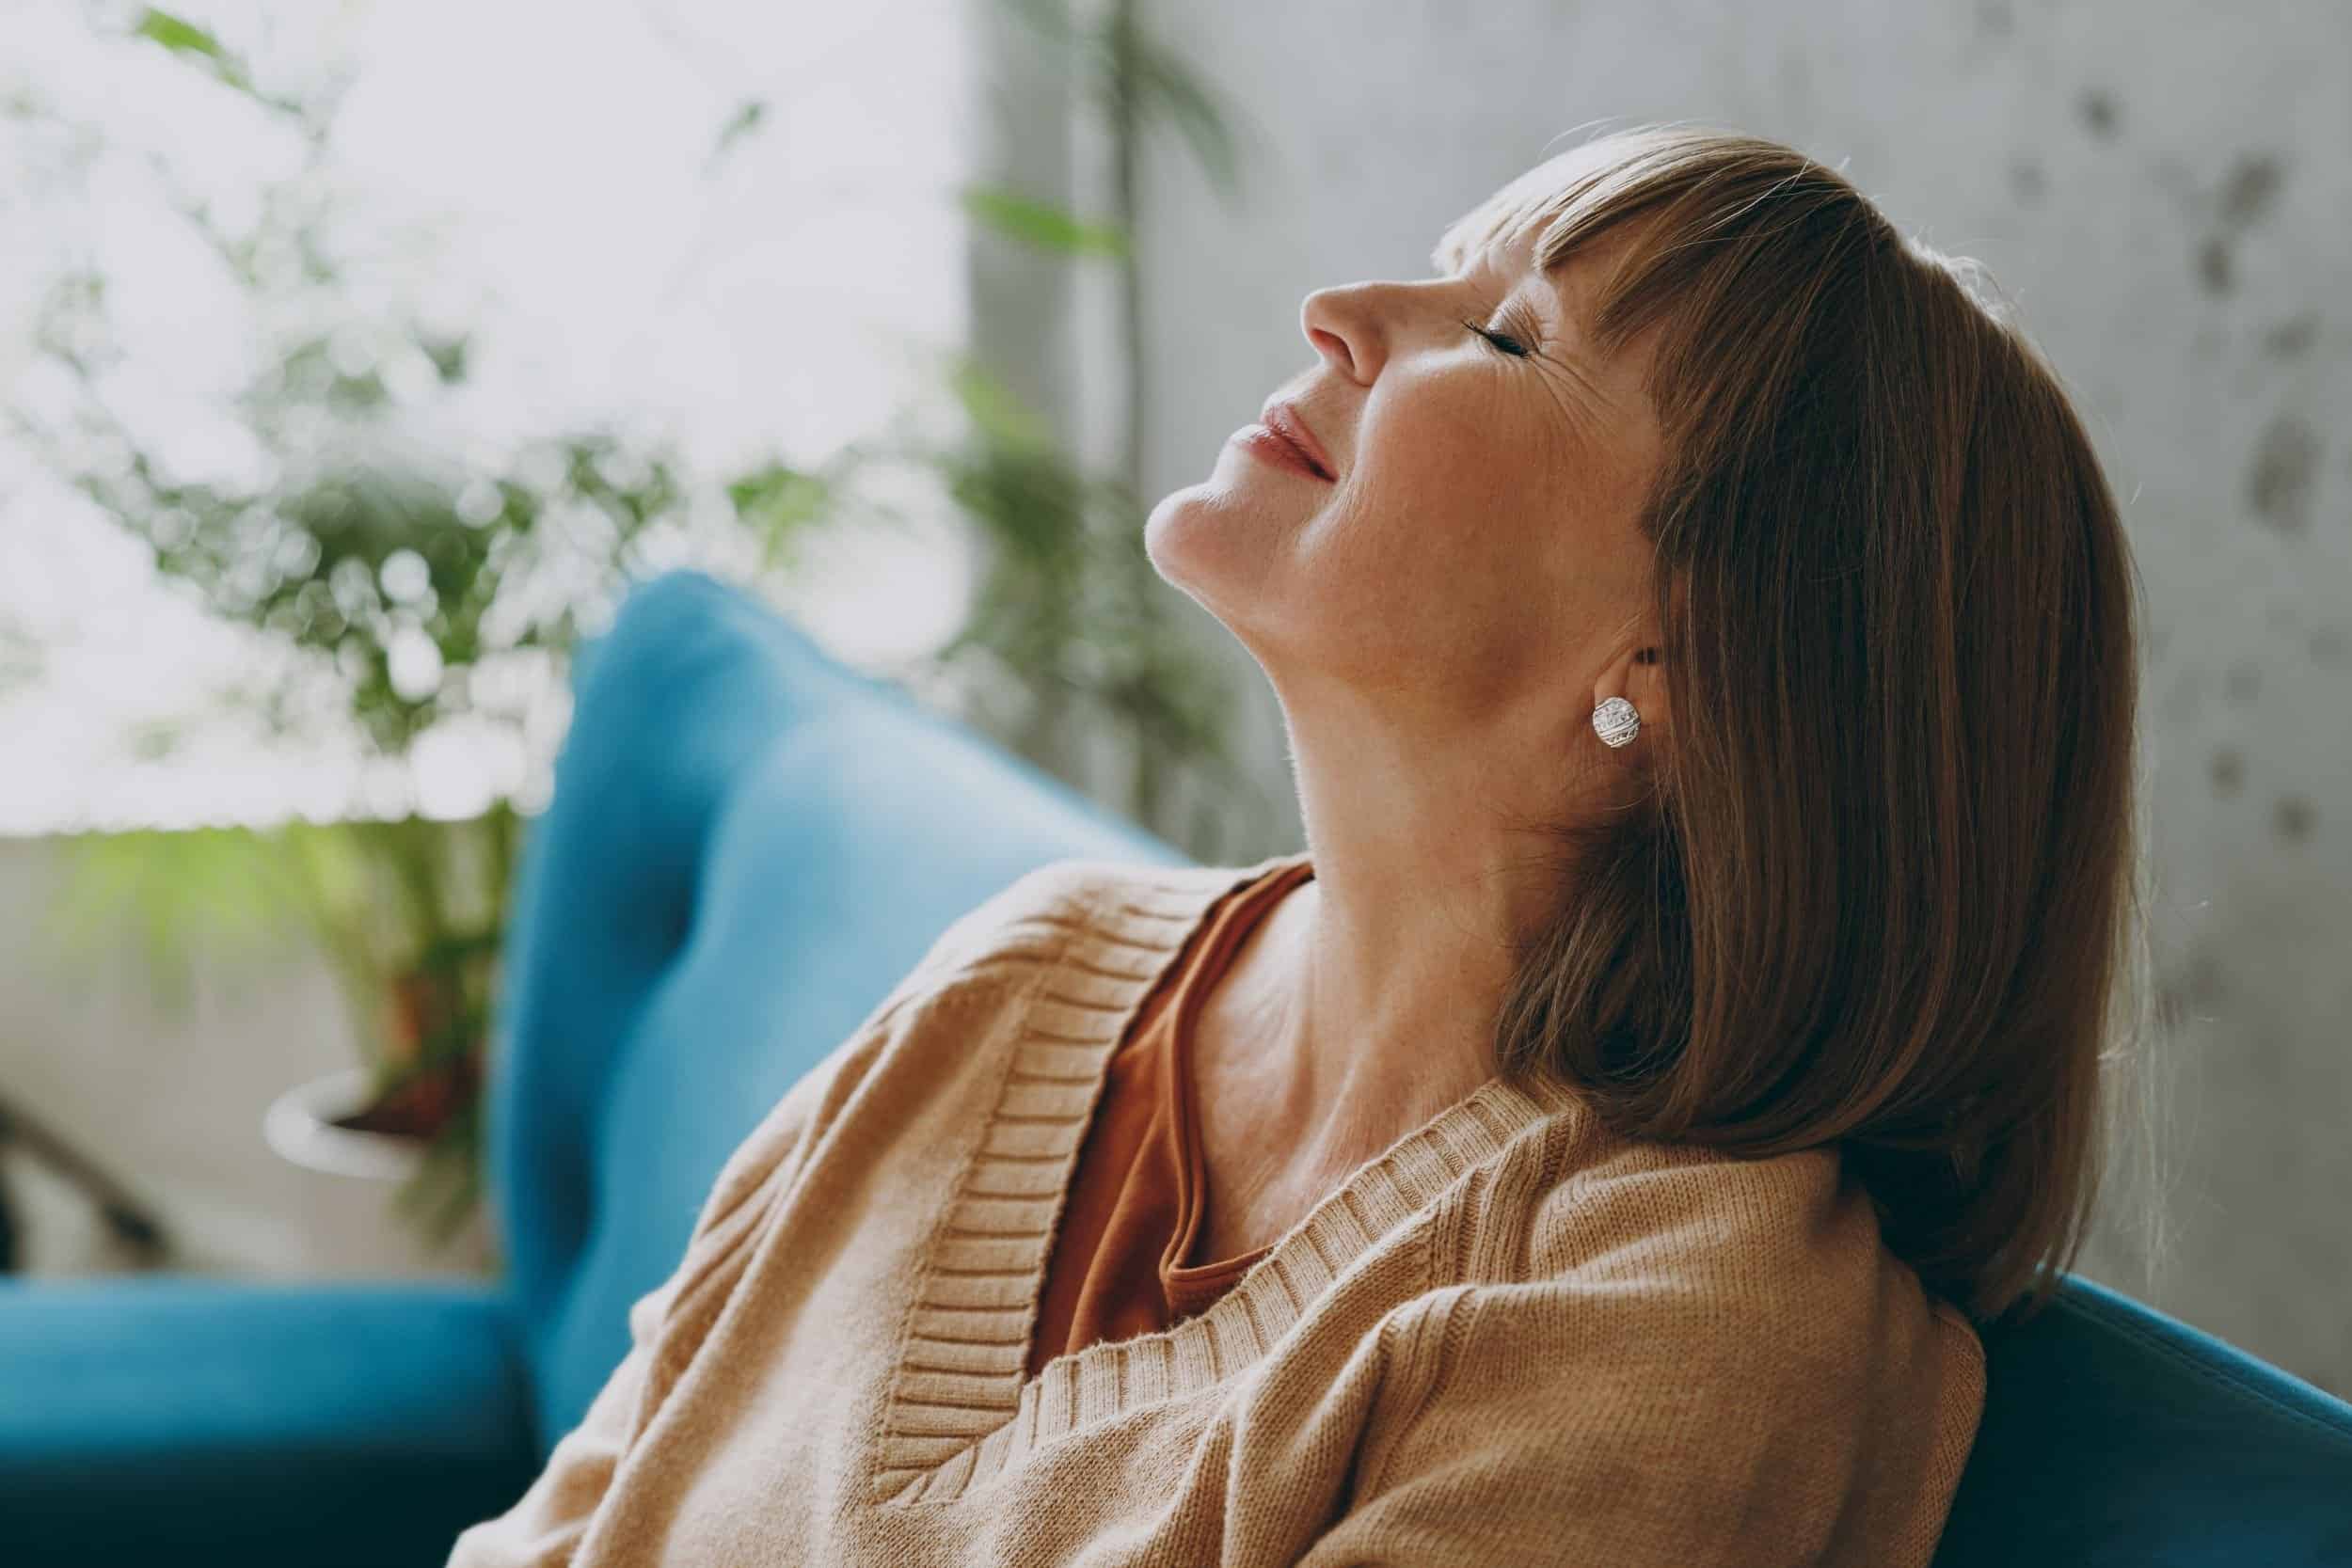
(256, 1423)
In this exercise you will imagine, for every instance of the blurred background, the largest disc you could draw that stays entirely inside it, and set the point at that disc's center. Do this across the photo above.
(354, 355)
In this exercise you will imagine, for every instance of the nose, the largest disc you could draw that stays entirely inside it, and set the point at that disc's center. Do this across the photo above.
(1343, 328)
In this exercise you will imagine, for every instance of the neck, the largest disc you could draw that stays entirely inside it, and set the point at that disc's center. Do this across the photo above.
(1364, 1002)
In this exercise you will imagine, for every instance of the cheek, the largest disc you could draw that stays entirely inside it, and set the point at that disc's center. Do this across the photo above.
(1458, 546)
(1419, 584)
(1451, 451)
(1447, 480)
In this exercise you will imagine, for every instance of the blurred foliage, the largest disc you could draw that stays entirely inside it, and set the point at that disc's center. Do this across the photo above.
(406, 913)
(183, 37)
(413, 588)
(747, 118)
(21, 658)
(1041, 224)
(211, 894)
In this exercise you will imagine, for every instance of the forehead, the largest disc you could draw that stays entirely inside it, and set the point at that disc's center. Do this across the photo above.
(1508, 221)
(1511, 259)
(1506, 254)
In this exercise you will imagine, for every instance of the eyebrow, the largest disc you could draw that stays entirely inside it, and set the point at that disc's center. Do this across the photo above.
(1549, 313)
(1552, 319)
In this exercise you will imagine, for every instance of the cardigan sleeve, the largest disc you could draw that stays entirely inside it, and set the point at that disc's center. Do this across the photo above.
(1625, 1417)
(544, 1528)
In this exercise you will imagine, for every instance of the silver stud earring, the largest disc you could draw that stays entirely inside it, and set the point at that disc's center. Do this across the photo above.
(1616, 723)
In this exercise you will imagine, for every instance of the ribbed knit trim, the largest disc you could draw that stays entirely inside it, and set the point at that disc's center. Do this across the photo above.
(961, 1409)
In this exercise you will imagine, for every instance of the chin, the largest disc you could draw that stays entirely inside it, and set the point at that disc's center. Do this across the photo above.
(1223, 540)
(1180, 536)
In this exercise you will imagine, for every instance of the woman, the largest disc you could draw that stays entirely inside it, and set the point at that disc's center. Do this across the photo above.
(1707, 644)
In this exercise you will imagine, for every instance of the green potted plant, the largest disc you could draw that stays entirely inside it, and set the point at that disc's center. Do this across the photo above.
(411, 594)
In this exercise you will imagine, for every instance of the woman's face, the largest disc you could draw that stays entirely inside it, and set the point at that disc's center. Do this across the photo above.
(1476, 550)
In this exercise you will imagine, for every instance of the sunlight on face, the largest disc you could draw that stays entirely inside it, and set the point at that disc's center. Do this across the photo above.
(1480, 538)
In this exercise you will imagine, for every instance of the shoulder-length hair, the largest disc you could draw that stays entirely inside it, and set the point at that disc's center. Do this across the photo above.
(1885, 889)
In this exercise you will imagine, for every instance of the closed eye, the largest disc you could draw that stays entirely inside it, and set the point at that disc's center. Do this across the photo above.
(1497, 341)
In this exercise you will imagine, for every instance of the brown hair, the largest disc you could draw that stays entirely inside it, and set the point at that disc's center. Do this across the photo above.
(1885, 887)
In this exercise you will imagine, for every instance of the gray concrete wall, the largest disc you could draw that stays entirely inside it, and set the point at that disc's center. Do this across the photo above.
(2162, 187)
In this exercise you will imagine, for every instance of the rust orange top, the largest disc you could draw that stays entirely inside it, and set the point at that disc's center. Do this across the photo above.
(1121, 1261)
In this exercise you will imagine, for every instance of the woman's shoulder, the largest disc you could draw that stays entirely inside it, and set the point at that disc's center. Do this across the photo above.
(1784, 1248)
(1694, 1358)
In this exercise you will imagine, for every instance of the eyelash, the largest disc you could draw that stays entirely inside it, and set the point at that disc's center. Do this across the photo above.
(1496, 341)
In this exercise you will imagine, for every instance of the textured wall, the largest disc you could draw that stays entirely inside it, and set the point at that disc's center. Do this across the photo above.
(2163, 190)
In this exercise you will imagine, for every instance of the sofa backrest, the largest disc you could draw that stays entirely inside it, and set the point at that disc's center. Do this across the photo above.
(749, 844)
(2115, 1434)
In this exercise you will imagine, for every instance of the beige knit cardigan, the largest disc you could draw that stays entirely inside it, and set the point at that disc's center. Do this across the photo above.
(1511, 1338)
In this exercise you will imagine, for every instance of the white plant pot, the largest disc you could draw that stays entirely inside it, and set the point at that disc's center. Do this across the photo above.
(348, 1228)
(299, 1126)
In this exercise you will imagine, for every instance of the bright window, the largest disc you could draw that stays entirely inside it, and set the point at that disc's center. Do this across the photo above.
(728, 226)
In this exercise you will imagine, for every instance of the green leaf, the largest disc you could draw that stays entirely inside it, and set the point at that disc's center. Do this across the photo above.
(1050, 18)
(1160, 85)
(745, 121)
(450, 356)
(1041, 224)
(778, 503)
(215, 893)
(995, 410)
(174, 32)
(182, 37)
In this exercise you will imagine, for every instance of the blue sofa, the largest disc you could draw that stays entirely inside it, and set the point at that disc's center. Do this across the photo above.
(748, 845)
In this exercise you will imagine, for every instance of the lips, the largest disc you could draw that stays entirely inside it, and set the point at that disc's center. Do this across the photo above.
(1284, 421)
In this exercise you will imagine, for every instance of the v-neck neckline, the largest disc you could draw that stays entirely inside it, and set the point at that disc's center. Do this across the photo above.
(962, 1408)
(1179, 1074)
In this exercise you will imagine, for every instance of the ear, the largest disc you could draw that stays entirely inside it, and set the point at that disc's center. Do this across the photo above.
(1646, 682)
(1640, 672)
(1639, 675)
